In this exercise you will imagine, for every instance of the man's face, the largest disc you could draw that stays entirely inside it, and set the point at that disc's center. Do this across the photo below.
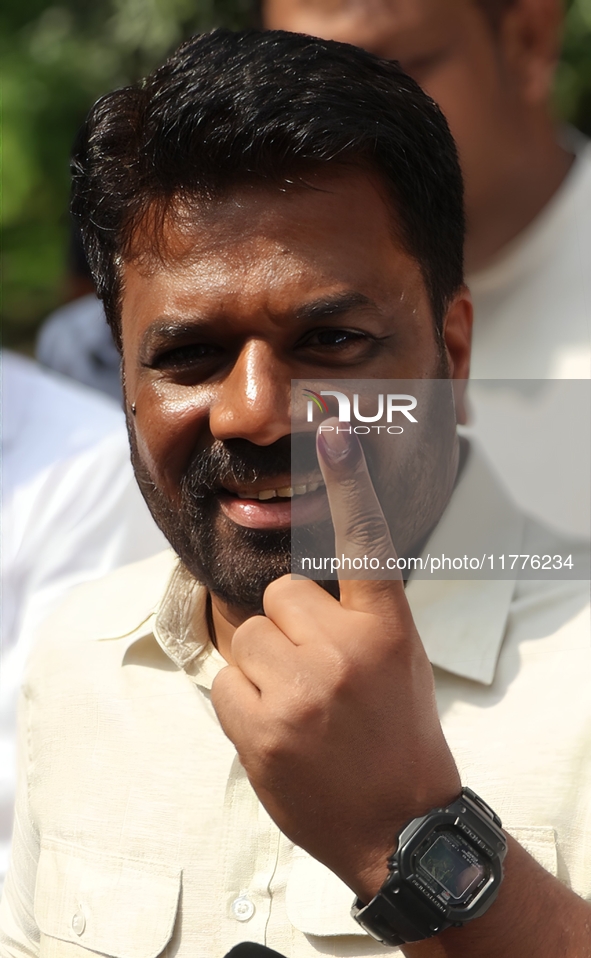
(256, 289)
(449, 47)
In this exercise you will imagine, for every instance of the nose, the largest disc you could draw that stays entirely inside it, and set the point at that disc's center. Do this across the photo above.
(253, 401)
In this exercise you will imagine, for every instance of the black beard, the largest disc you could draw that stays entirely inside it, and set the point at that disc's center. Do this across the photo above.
(234, 563)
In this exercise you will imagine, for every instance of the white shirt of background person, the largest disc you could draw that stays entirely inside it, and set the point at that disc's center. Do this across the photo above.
(531, 356)
(71, 511)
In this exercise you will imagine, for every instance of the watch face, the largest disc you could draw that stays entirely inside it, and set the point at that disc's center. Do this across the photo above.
(455, 866)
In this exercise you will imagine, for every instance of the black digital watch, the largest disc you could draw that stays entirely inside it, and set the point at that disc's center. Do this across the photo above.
(446, 870)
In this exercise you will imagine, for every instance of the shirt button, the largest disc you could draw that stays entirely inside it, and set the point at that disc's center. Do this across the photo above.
(78, 923)
(242, 908)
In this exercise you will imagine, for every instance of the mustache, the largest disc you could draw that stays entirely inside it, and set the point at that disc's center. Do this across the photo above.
(239, 461)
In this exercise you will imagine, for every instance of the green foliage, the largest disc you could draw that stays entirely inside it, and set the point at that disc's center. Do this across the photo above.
(57, 61)
(59, 58)
(573, 79)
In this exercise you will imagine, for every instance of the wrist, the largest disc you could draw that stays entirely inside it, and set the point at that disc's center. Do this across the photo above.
(371, 873)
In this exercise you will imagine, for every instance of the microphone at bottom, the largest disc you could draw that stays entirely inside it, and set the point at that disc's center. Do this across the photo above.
(249, 949)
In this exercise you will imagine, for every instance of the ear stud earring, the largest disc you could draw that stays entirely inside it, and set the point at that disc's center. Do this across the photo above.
(133, 409)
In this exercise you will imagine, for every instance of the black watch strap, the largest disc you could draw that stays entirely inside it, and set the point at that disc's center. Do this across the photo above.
(396, 915)
(382, 916)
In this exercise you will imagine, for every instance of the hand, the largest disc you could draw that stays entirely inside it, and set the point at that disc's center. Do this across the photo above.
(331, 704)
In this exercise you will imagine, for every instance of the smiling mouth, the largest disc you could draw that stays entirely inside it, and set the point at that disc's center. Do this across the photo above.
(281, 492)
(274, 508)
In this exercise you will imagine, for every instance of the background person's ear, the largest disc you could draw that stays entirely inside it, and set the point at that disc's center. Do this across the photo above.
(457, 338)
(530, 35)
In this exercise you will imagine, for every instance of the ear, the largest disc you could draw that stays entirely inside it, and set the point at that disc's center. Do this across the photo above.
(457, 339)
(530, 35)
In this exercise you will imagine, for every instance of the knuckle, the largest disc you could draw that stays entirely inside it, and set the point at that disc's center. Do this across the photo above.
(302, 708)
(390, 643)
(275, 592)
(220, 684)
(344, 671)
(246, 633)
(270, 748)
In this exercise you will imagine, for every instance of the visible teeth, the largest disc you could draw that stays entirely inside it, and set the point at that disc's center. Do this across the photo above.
(285, 492)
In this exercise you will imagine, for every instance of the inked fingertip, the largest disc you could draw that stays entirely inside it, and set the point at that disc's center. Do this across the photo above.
(338, 445)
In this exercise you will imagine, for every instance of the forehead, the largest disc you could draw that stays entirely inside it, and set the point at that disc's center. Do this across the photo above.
(372, 24)
(267, 249)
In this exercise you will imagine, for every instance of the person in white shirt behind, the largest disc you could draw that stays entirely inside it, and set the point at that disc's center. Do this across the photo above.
(489, 64)
(71, 511)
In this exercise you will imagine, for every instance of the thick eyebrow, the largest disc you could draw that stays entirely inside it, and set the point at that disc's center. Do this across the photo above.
(329, 306)
(165, 332)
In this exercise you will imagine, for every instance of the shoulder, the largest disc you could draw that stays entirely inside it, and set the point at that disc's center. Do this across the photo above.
(99, 617)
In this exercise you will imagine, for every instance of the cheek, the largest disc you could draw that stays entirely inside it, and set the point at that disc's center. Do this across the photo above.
(170, 424)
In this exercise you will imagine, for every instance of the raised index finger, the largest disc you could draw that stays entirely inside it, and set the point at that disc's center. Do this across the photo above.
(363, 543)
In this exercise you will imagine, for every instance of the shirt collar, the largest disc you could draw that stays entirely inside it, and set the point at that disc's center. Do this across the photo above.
(461, 622)
(181, 628)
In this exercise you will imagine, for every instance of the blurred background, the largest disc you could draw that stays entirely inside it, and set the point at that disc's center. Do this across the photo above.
(59, 58)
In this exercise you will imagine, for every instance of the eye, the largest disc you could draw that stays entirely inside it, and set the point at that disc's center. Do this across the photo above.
(335, 346)
(338, 338)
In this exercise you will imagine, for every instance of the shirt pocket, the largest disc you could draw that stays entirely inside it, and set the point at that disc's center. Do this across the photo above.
(317, 902)
(121, 907)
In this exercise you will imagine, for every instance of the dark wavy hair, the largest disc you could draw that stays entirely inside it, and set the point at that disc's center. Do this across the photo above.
(229, 108)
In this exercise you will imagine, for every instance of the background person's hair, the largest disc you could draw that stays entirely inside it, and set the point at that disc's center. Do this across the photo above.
(229, 108)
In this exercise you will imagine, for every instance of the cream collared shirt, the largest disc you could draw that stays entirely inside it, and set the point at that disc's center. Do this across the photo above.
(137, 832)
